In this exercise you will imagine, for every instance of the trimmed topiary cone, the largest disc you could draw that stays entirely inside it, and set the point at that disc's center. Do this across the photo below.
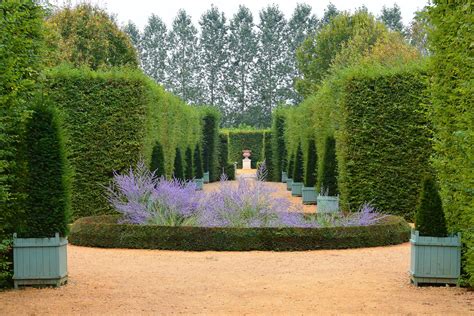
(299, 166)
(157, 164)
(311, 165)
(198, 170)
(328, 181)
(188, 173)
(178, 171)
(429, 218)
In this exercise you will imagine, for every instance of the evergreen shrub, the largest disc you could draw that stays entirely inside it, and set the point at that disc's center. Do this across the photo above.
(157, 164)
(278, 143)
(178, 171)
(48, 189)
(268, 155)
(188, 171)
(299, 165)
(197, 157)
(429, 217)
(210, 142)
(224, 165)
(311, 165)
(328, 180)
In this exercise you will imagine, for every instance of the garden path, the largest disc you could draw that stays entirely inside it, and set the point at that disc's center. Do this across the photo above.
(129, 281)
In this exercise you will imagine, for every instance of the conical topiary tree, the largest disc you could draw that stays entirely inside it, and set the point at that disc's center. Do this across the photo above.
(311, 165)
(429, 218)
(157, 163)
(178, 171)
(290, 167)
(299, 165)
(328, 180)
(198, 171)
(188, 173)
(48, 189)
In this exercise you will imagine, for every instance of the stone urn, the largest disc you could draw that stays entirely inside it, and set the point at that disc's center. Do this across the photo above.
(246, 162)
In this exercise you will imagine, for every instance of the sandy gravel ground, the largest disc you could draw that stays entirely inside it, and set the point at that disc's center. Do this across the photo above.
(129, 282)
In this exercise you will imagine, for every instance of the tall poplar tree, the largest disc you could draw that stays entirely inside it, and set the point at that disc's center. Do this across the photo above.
(213, 57)
(154, 49)
(392, 18)
(182, 62)
(273, 73)
(241, 68)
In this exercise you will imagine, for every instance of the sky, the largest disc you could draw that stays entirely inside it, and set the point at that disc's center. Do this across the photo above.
(138, 11)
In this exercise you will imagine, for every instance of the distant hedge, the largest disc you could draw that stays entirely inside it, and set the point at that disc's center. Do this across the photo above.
(112, 119)
(103, 231)
(245, 139)
(452, 115)
(382, 139)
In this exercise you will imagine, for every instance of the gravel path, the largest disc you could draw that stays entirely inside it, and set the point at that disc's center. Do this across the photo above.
(126, 281)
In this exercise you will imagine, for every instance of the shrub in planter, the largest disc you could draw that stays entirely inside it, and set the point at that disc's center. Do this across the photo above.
(278, 144)
(188, 172)
(178, 171)
(435, 258)
(309, 191)
(327, 200)
(298, 171)
(289, 181)
(267, 148)
(39, 258)
(210, 143)
(157, 163)
(198, 172)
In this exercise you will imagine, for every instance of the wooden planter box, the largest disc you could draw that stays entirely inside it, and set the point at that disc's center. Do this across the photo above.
(296, 188)
(199, 183)
(39, 261)
(435, 259)
(206, 177)
(309, 195)
(284, 176)
(327, 204)
(289, 182)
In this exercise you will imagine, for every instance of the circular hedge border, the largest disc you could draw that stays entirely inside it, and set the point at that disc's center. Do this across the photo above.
(103, 231)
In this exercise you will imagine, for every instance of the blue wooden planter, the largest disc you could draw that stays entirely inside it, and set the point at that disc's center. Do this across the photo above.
(206, 177)
(199, 184)
(435, 259)
(296, 188)
(288, 184)
(284, 176)
(309, 195)
(327, 204)
(39, 261)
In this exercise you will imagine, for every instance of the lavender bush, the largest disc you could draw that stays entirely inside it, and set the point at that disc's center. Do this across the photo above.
(142, 198)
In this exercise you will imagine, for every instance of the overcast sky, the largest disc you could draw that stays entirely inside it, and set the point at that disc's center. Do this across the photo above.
(138, 11)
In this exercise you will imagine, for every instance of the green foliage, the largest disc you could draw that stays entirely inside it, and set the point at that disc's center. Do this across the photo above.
(197, 157)
(245, 139)
(189, 169)
(452, 91)
(383, 151)
(278, 143)
(392, 18)
(48, 189)
(112, 119)
(429, 217)
(311, 164)
(298, 171)
(291, 166)
(6, 261)
(210, 142)
(157, 163)
(87, 36)
(22, 52)
(328, 176)
(178, 170)
(104, 232)
(317, 52)
(268, 155)
(224, 165)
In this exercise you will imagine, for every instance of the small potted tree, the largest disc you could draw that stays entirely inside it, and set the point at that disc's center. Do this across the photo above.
(298, 171)
(309, 191)
(40, 251)
(328, 200)
(198, 172)
(435, 256)
(291, 164)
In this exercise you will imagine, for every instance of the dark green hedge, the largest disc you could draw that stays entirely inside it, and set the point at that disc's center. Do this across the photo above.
(452, 115)
(48, 177)
(103, 231)
(224, 165)
(210, 142)
(245, 139)
(112, 119)
(268, 155)
(278, 143)
(298, 171)
(383, 144)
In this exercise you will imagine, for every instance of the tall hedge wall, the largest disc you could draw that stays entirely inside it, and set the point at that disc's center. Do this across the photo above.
(111, 120)
(245, 139)
(452, 114)
(382, 140)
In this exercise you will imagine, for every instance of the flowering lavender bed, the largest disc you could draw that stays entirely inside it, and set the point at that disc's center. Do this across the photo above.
(144, 199)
